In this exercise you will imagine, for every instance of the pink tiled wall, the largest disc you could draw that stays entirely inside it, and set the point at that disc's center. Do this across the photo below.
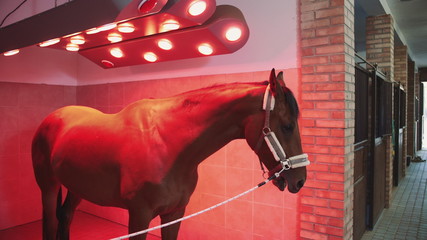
(266, 213)
(22, 108)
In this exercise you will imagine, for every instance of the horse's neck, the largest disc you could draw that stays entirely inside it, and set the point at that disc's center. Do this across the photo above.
(204, 122)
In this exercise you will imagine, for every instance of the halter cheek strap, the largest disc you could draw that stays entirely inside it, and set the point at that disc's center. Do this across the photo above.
(273, 143)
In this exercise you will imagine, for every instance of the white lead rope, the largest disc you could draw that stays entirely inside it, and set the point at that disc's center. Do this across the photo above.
(197, 213)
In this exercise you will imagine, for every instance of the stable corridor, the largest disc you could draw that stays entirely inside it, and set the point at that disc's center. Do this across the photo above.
(407, 216)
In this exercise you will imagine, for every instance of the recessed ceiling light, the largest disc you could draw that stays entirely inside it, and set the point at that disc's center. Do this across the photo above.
(169, 25)
(126, 27)
(114, 37)
(205, 49)
(49, 42)
(150, 57)
(233, 34)
(77, 40)
(72, 47)
(107, 27)
(196, 8)
(11, 52)
(116, 52)
(165, 44)
(92, 31)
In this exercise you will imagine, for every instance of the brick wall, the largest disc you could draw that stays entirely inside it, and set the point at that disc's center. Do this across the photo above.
(327, 102)
(380, 43)
(401, 65)
(380, 50)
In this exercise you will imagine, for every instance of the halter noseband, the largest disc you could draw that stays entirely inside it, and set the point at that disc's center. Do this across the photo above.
(273, 143)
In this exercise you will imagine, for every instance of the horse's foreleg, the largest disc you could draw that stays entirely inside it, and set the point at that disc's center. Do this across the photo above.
(139, 219)
(65, 215)
(171, 232)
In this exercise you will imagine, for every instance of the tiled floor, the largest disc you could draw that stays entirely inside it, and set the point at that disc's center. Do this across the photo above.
(85, 227)
(407, 216)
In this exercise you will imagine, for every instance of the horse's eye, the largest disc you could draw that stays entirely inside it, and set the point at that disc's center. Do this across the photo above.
(288, 128)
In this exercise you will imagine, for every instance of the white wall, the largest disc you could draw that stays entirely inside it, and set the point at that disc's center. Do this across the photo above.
(272, 43)
(34, 64)
(40, 65)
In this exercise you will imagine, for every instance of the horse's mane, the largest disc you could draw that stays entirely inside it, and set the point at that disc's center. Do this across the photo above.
(289, 96)
(226, 85)
(292, 102)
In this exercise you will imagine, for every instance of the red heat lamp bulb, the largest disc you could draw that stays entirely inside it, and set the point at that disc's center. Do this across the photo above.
(107, 64)
(146, 6)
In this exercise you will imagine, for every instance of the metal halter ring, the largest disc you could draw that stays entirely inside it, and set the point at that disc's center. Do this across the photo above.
(266, 130)
(285, 164)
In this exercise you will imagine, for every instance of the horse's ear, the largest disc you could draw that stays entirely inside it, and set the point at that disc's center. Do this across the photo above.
(280, 79)
(275, 85)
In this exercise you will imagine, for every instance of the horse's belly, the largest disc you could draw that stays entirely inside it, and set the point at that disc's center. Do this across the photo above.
(96, 183)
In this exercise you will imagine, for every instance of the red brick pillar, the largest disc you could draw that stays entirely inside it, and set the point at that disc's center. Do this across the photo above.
(327, 103)
(401, 64)
(380, 43)
(380, 50)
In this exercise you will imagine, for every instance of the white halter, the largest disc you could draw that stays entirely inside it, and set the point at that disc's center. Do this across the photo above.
(273, 143)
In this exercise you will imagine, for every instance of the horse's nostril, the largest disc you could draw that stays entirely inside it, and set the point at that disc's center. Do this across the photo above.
(300, 183)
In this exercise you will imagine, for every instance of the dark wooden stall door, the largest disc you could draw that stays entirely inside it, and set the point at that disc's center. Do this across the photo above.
(378, 187)
(361, 152)
(399, 126)
(381, 132)
(373, 125)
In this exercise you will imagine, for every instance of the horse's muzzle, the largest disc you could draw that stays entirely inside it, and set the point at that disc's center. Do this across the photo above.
(280, 181)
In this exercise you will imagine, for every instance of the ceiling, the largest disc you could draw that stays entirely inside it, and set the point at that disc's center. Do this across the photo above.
(132, 33)
(410, 24)
(410, 19)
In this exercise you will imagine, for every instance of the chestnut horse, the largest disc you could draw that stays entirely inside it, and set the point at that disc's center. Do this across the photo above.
(145, 157)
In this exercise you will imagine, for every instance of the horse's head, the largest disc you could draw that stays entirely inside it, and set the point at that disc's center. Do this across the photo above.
(279, 118)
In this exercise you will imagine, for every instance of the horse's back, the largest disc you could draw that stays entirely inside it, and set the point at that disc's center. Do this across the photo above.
(57, 121)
